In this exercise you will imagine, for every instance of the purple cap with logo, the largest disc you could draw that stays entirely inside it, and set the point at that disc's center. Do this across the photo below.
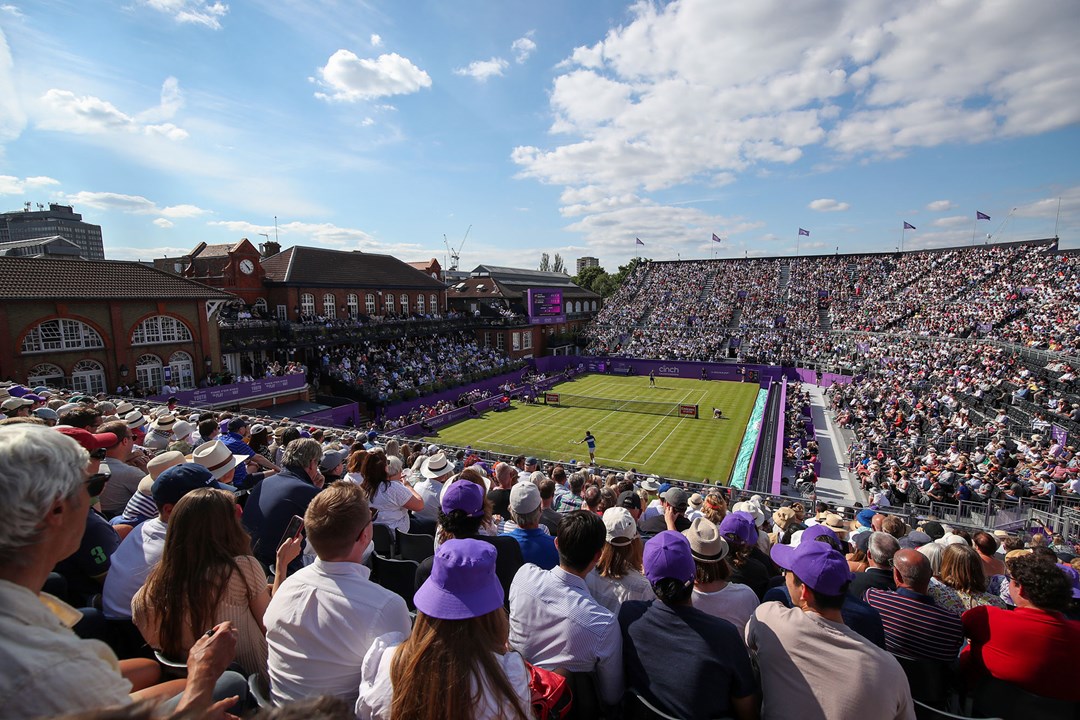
(741, 525)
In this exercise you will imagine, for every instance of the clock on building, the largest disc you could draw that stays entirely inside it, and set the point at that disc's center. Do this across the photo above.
(247, 267)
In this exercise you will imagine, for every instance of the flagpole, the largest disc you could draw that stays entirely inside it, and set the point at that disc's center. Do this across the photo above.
(903, 231)
(974, 228)
(798, 237)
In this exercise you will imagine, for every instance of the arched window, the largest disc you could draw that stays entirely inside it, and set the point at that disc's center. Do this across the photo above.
(88, 377)
(45, 374)
(260, 306)
(434, 304)
(420, 303)
(183, 370)
(307, 304)
(160, 329)
(594, 306)
(389, 300)
(329, 309)
(353, 303)
(577, 306)
(62, 334)
(404, 304)
(148, 373)
(369, 303)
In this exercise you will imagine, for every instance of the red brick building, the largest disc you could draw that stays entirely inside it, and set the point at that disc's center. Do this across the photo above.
(337, 284)
(96, 324)
(233, 268)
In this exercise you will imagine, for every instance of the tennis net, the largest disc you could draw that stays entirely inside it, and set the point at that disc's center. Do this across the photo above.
(615, 405)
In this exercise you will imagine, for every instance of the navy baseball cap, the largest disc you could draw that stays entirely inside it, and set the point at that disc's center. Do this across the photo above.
(178, 481)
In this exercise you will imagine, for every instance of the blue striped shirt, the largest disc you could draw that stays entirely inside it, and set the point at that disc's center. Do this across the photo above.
(915, 626)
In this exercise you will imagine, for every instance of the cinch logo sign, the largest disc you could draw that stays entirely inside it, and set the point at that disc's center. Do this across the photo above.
(667, 370)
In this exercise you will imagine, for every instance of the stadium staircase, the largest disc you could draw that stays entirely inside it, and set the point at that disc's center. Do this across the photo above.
(785, 275)
(824, 320)
(708, 289)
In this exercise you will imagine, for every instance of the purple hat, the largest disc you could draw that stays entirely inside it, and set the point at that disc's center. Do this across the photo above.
(462, 583)
(741, 525)
(668, 555)
(17, 391)
(815, 531)
(33, 398)
(464, 495)
(821, 568)
(1074, 579)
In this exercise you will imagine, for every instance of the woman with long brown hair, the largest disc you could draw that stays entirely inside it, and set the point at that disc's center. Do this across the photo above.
(962, 570)
(455, 665)
(618, 575)
(206, 576)
(387, 491)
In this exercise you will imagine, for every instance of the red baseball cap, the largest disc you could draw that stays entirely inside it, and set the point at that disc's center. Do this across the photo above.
(89, 440)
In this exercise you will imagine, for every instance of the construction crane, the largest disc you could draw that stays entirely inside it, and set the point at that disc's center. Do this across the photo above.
(455, 255)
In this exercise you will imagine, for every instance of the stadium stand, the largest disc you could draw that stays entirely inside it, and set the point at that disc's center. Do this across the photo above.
(960, 426)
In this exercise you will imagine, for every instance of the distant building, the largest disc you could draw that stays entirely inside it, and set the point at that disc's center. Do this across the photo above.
(500, 295)
(54, 246)
(587, 262)
(57, 221)
(235, 268)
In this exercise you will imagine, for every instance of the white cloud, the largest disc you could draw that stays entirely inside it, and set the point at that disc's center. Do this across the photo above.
(319, 234)
(828, 205)
(482, 70)
(12, 116)
(194, 12)
(133, 205)
(11, 185)
(349, 78)
(65, 111)
(11, 10)
(690, 90)
(144, 253)
(163, 223)
(952, 221)
(376, 40)
(523, 47)
(940, 205)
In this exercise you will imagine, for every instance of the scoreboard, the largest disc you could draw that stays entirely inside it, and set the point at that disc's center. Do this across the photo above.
(546, 306)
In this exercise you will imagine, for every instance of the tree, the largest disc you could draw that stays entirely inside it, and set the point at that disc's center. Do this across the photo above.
(559, 266)
(590, 278)
(545, 263)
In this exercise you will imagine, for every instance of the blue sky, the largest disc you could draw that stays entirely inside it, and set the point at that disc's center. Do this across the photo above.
(556, 126)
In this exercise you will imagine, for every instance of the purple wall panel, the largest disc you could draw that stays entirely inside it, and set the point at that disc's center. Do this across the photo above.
(238, 392)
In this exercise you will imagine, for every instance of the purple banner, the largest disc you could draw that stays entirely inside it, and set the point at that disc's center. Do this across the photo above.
(1060, 436)
(238, 392)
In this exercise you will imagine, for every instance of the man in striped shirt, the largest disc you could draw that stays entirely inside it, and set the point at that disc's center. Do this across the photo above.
(914, 625)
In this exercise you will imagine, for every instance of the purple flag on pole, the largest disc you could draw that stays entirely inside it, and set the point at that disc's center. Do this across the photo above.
(981, 215)
(1059, 434)
(908, 226)
(638, 240)
(716, 239)
(804, 232)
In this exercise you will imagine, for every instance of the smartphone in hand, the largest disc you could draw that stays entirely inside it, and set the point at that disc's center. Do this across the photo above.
(293, 529)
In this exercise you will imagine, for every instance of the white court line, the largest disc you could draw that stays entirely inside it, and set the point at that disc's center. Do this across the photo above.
(646, 437)
(534, 421)
(677, 426)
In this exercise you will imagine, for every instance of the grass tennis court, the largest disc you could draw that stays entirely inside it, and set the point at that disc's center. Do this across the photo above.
(688, 449)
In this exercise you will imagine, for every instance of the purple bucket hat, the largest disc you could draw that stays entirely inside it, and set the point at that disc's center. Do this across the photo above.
(462, 583)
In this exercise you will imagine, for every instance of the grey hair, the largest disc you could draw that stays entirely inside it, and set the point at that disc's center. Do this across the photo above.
(302, 452)
(38, 466)
(881, 547)
(529, 519)
(394, 465)
(537, 477)
(933, 552)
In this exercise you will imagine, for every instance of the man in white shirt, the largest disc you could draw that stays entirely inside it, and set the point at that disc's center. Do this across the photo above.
(435, 471)
(322, 620)
(554, 620)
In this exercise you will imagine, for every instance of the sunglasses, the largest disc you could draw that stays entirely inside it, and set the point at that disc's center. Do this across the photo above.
(96, 483)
